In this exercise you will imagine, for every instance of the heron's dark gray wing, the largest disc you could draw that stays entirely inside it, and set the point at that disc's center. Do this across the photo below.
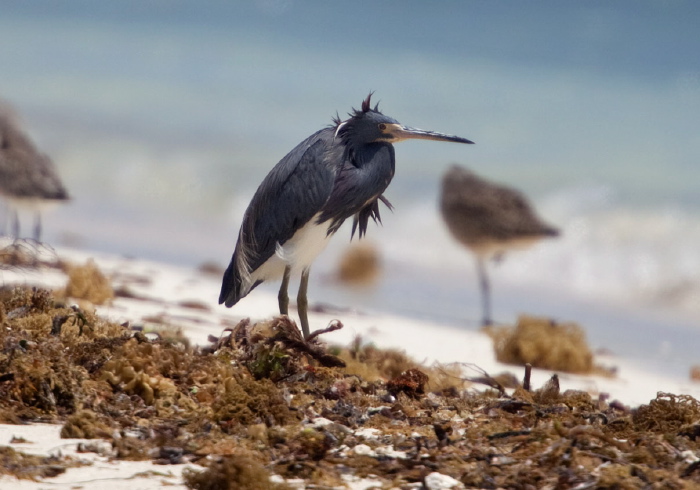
(292, 193)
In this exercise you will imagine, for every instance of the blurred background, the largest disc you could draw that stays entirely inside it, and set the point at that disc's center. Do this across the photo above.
(164, 116)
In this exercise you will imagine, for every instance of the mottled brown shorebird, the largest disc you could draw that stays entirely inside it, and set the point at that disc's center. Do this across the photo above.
(489, 219)
(28, 178)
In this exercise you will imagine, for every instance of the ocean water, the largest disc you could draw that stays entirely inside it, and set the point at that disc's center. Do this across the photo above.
(163, 119)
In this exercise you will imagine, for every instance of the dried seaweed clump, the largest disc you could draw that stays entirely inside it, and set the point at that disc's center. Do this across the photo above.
(85, 424)
(411, 382)
(695, 373)
(248, 401)
(371, 364)
(17, 255)
(544, 344)
(667, 412)
(276, 349)
(88, 282)
(31, 467)
(39, 375)
(147, 370)
(232, 473)
(359, 265)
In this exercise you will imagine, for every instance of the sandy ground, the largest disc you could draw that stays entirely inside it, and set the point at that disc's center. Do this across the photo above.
(45, 439)
(172, 291)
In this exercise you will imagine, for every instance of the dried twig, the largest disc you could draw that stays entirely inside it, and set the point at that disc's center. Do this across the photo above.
(332, 326)
(290, 337)
(485, 379)
(526, 379)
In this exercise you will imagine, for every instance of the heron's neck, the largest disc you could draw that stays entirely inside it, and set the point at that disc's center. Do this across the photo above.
(365, 154)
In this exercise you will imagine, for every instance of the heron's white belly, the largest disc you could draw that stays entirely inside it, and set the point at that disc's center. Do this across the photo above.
(299, 251)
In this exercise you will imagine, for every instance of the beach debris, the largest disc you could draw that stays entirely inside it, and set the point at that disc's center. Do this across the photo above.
(89, 283)
(31, 467)
(276, 349)
(411, 382)
(543, 343)
(485, 378)
(527, 376)
(25, 253)
(695, 373)
(77, 316)
(257, 409)
(366, 361)
(194, 304)
(85, 424)
(359, 265)
(232, 472)
(211, 268)
(18, 254)
(438, 481)
(668, 412)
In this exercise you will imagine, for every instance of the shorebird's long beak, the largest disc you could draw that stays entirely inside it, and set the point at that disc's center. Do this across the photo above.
(399, 132)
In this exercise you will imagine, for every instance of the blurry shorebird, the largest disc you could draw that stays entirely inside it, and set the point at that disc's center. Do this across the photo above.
(28, 178)
(489, 219)
(336, 173)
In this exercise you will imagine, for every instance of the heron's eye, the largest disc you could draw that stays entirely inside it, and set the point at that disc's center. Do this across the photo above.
(382, 127)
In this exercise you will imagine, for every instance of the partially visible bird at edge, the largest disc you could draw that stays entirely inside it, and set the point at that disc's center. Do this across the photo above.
(28, 178)
(336, 173)
(490, 220)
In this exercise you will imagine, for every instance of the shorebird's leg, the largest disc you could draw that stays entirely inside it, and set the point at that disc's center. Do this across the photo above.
(283, 297)
(485, 292)
(37, 227)
(15, 224)
(303, 303)
(5, 217)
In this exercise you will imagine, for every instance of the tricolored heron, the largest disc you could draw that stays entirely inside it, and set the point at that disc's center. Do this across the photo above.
(28, 178)
(489, 219)
(337, 172)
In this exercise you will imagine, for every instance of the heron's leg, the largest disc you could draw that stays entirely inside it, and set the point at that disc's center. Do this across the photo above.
(303, 303)
(37, 227)
(485, 292)
(283, 297)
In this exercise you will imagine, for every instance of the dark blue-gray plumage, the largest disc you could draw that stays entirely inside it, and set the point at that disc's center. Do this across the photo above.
(338, 172)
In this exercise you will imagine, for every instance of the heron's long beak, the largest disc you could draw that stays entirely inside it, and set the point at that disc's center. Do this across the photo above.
(400, 133)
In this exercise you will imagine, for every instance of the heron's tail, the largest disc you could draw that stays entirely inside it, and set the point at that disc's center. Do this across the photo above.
(230, 286)
(236, 283)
